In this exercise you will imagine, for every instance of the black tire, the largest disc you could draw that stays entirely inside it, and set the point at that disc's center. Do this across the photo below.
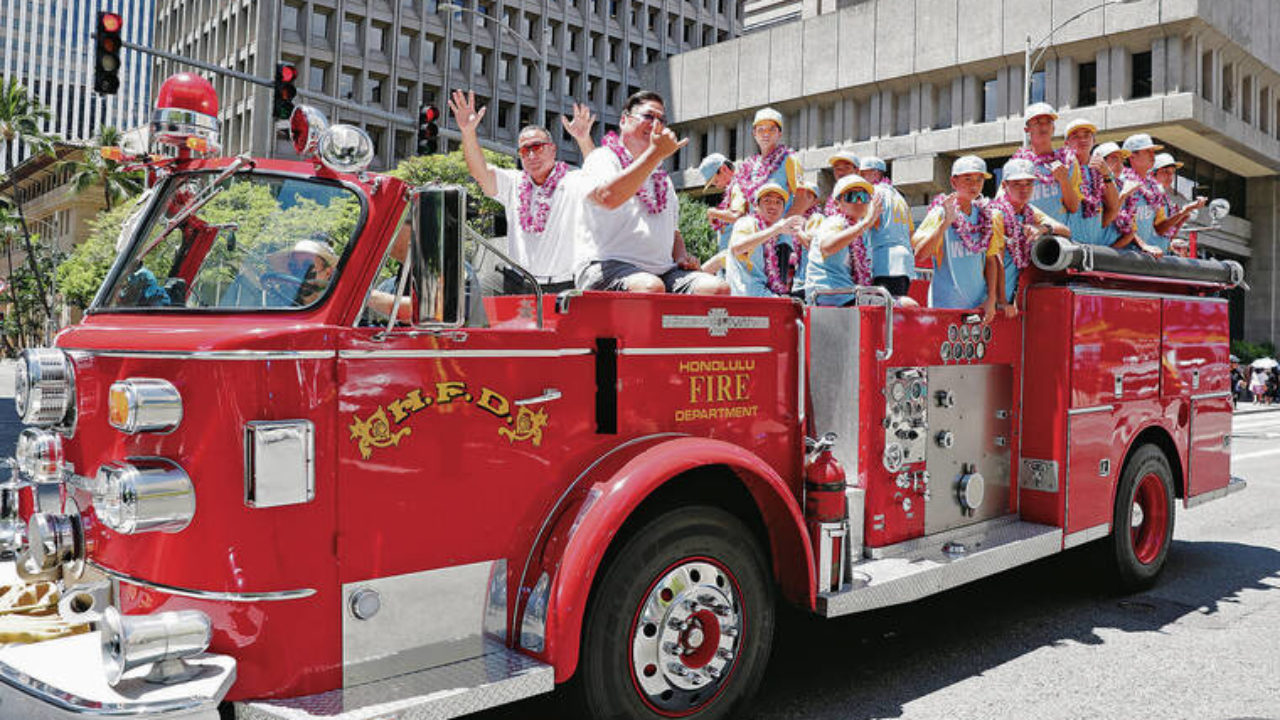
(1138, 552)
(700, 555)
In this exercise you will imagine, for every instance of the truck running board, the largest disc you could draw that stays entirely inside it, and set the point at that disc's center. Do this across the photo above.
(919, 568)
(498, 677)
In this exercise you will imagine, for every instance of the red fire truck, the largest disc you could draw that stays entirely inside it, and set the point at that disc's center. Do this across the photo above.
(300, 461)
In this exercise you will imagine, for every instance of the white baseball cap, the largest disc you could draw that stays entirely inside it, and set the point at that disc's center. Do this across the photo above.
(806, 185)
(767, 114)
(770, 188)
(844, 155)
(1165, 160)
(1140, 142)
(1078, 123)
(1035, 110)
(851, 182)
(1018, 169)
(872, 162)
(969, 164)
(1107, 148)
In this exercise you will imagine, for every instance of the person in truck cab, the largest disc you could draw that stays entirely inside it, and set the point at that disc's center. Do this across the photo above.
(540, 218)
(309, 265)
(959, 236)
(627, 239)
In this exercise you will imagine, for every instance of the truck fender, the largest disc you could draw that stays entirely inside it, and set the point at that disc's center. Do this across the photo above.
(1158, 433)
(575, 550)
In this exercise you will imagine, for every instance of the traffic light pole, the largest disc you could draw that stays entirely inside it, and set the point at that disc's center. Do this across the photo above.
(338, 103)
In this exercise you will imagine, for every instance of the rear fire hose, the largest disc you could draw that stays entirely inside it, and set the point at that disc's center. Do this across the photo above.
(1055, 254)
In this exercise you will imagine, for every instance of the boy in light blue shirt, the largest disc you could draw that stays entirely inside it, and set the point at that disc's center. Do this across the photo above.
(757, 264)
(893, 263)
(837, 254)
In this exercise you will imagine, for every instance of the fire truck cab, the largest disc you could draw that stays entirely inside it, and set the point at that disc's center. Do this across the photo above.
(298, 461)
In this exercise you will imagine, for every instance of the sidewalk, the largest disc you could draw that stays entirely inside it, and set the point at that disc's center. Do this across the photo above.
(1249, 408)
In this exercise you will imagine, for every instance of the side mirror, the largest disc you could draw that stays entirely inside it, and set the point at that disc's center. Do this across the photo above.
(436, 255)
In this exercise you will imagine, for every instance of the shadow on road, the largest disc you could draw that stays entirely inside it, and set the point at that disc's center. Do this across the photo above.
(871, 665)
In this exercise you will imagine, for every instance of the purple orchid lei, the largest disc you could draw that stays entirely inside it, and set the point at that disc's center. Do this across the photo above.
(653, 194)
(1149, 191)
(777, 280)
(1041, 162)
(975, 237)
(750, 175)
(1015, 230)
(535, 200)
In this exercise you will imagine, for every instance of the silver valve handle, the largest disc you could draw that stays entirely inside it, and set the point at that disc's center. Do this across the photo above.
(821, 445)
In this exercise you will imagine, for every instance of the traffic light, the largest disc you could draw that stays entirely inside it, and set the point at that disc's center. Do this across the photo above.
(284, 91)
(106, 53)
(427, 129)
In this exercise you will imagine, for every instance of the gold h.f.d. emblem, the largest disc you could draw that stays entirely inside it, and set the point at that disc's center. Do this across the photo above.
(529, 426)
(375, 432)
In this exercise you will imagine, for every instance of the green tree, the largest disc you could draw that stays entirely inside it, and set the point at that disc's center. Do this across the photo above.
(451, 169)
(82, 273)
(699, 238)
(20, 119)
(95, 170)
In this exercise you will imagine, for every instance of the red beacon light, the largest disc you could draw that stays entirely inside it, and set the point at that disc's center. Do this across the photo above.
(186, 114)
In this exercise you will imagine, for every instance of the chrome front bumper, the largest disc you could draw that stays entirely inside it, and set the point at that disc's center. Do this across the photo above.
(63, 678)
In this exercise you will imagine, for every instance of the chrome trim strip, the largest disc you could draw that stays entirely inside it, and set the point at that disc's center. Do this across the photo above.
(1081, 537)
(244, 597)
(1211, 395)
(209, 354)
(1235, 485)
(802, 367)
(516, 617)
(1078, 290)
(1090, 410)
(741, 350)
(553, 353)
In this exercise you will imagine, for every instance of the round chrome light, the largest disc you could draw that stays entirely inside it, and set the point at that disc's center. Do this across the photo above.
(346, 148)
(130, 641)
(43, 386)
(306, 126)
(144, 495)
(39, 455)
(1219, 209)
(144, 405)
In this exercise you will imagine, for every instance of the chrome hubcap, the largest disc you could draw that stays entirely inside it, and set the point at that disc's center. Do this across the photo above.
(1136, 516)
(686, 636)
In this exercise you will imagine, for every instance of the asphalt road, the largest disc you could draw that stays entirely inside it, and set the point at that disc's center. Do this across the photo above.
(1046, 641)
(1050, 641)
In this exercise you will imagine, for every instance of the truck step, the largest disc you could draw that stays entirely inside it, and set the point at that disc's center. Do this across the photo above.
(918, 568)
(498, 677)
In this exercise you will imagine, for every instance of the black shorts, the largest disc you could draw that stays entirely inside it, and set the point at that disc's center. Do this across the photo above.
(897, 285)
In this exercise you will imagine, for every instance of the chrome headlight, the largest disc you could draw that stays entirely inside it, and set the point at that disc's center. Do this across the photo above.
(144, 495)
(43, 386)
(144, 405)
(39, 455)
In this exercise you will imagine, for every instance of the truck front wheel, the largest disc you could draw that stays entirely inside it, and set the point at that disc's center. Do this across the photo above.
(680, 624)
(1143, 527)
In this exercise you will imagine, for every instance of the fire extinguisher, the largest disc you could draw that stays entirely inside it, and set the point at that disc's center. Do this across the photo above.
(826, 511)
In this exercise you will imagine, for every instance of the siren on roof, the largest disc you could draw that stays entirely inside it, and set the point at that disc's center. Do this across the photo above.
(186, 114)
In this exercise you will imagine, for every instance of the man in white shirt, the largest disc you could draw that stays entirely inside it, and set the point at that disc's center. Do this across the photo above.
(628, 238)
(541, 216)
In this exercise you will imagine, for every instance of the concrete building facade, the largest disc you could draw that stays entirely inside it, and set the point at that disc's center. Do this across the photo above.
(394, 55)
(920, 82)
(48, 46)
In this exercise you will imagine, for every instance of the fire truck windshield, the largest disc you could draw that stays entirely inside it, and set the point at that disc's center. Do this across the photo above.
(253, 242)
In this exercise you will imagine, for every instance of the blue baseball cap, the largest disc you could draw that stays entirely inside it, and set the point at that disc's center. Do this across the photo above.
(1140, 142)
(871, 162)
(711, 165)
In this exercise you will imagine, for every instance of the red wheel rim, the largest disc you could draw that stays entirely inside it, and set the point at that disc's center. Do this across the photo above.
(1149, 518)
(688, 623)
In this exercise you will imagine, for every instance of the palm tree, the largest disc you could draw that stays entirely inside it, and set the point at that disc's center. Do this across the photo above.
(20, 120)
(8, 233)
(94, 169)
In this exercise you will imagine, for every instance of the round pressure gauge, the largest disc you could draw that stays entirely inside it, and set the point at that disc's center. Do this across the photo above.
(897, 392)
(980, 351)
(968, 351)
(953, 333)
(893, 457)
(986, 333)
(946, 350)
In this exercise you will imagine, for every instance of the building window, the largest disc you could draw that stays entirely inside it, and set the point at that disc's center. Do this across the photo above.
(317, 77)
(1264, 106)
(902, 113)
(1206, 76)
(504, 67)
(733, 143)
(455, 57)
(1141, 85)
(1229, 87)
(350, 31)
(405, 49)
(1087, 88)
(375, 89)
(378, 37)
(289, 17)
(403, 90)
(990, 91)
(347, 85)
(429, 51)
(1037, 86)
(479, 63)
(941, 106)
(1246, 99)
(319, 24)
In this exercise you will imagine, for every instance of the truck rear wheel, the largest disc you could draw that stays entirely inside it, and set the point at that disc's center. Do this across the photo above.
(680, 623)
(1143, 523)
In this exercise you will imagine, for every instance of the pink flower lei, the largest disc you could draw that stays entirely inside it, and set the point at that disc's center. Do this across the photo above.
(750, 175)
(535, 200)
(1091, 190)
(859, 260)
(1041, 163)
(653, 194)
(1015, 230)
(776, 279)
(1150, 193)
(975, 237)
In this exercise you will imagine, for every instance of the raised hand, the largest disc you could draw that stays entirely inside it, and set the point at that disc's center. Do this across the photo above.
(464, 110)
(1098, 165)
(791, 225)
(664, 142)
(1060, 172)
(950, 208)
(582, 122)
